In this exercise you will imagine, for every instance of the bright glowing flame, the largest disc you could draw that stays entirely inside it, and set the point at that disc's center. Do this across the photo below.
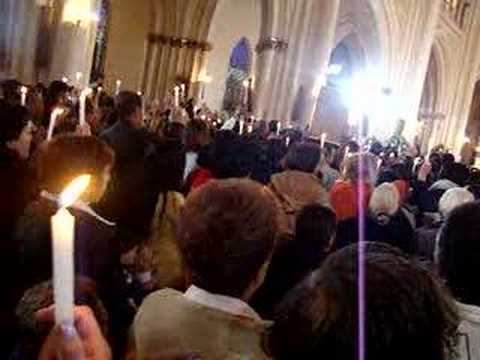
(79, 12)
(73, 191)
(334, 69)
(246, 83)
(86, 92)
(65, 79)
(23, 89)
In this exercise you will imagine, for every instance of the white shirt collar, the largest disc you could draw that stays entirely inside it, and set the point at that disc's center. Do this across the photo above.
(224, 303)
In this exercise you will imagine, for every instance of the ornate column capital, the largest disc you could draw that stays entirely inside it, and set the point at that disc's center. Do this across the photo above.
(271, 43)
(179, 42)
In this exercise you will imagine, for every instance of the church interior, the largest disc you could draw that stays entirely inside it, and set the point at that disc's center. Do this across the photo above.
(417, 60)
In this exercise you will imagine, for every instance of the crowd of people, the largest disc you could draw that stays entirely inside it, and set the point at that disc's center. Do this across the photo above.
(201, 240)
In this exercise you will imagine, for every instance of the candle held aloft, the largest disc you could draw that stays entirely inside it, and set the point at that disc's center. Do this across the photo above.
(23, 94)
(83, 100)
(53, 119)
(323, 138)
(63, 240)
(118, 86)
(176, 91)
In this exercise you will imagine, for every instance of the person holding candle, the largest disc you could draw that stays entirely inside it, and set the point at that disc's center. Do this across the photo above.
(17, 188)
(96, 254)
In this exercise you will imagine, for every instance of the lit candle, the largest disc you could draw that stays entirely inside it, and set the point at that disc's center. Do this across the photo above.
(53, 119)
(119, 85)
(78, 77)
(347, 152)
(176, 91)
(241, 127)
(23, 92)
(63, 236)
(279, 128)
(183, 90)
(287, 142)
(83, 100)
(139, 93)
(246, 84)
(65, 80)
(250, 129)
(97, 99)
(323, 138)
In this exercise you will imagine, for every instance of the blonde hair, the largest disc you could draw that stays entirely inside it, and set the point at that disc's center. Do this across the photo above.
(351, 170)
(385, 200)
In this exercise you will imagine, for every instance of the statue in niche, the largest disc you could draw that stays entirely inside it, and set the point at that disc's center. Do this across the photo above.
(238, 72)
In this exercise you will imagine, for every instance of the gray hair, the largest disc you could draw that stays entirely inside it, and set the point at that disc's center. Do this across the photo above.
(385, 200)
(453, 198)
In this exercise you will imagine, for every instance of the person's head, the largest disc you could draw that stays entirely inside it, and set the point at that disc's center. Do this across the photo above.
(67, 157)
(456, 172)
(196, 135)
(226, 232)
(410, 315)
(316, 225)
(448, 159)
(57, 92)
(453, 198)
(128, 106)
(458, 252)
(10, 89)
(303, 156)
(361, 167)
(385, 200)
(16, 129)
(435, 160)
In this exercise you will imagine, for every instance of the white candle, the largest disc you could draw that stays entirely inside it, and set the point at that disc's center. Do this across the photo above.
(83, 100)
(53, 119)
(176, 90)
(63, 236)
(279, 128)
(183, 91)
(241, 127)
(65, 80)
(323, 138)
(23, 92)
(250, 129)
(139, 93)
(119, 85)
(288, 141)
(78, 77)
(97, 99)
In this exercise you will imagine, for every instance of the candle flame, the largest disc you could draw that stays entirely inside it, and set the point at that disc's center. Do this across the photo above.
(23, 89)
(73, 191)
(86, 92)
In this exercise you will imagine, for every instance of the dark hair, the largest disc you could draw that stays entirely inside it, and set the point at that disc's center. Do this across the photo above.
(68, 156)
(448, 159)
(303, 156)
(174, 130)
(13, 118)
(409, 314)
(456, 172)
(10, 89)
(226, 233)
(126, 103)
(195, 135)
(459, 252)
(56, 89)
(315, 225)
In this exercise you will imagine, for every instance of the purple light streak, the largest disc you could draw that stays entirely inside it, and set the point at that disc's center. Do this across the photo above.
(361, 258)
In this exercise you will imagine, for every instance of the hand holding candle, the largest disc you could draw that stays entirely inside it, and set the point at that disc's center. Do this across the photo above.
(63, 236)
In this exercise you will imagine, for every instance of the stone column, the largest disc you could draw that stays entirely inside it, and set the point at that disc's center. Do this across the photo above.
(74, 45)
(310, 27)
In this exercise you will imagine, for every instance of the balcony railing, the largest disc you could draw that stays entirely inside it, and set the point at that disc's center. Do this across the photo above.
(458, 10)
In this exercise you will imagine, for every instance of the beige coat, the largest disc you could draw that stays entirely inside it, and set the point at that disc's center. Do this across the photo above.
(294, 190)
(169, 323)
